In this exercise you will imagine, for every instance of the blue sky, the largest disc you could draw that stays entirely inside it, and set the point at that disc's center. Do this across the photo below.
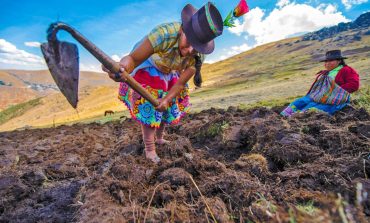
(115, 26)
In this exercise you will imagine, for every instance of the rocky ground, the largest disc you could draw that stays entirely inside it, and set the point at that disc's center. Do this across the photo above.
(221, 165)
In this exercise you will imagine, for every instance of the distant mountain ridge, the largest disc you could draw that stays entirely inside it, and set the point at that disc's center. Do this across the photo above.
(360, 24)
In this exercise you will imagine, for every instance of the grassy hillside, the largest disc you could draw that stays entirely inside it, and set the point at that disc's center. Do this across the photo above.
(18, 86)
(273, 73)
(55, 110)
(17, 110)
(13, 91)
(276, 70)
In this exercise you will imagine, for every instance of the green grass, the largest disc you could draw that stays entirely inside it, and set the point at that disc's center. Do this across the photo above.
(362, 98)
(101, 119)
(18, 110)
(292, 218)
(308, 208)
(232, 85)
(217, 129)
(262, 201)
(269, 103)
(104, 119)
(229, 86)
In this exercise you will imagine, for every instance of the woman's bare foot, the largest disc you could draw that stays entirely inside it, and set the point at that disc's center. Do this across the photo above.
(162, 141)
(152, 155)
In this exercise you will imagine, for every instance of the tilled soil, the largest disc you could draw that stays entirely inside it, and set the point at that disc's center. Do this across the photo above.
(221, 165)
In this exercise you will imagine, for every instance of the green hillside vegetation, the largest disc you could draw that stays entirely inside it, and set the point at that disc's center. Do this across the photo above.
(18, 110)
(362, 98)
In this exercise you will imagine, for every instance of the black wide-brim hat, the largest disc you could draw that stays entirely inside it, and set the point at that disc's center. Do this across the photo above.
(333, 55)
(202, 26)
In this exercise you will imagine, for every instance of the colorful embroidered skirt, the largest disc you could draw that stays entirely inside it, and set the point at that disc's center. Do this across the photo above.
(158, 84)
(307, 104)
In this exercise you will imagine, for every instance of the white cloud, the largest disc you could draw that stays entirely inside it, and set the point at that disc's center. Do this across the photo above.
(91, 67)
(209, 61)
(116, 58)
(10, 55)
(349, 3)
(96, 67)
(32, 44)
(282, 3)
(286, 21)
(234, 50)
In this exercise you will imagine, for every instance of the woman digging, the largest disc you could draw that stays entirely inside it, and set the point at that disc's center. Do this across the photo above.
(163, 62)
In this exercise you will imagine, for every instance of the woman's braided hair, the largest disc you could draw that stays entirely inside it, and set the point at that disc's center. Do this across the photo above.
(342, 62)
(198, 66)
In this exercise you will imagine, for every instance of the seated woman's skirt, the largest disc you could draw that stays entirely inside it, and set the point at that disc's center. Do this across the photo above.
(306, 103)
(158, 84)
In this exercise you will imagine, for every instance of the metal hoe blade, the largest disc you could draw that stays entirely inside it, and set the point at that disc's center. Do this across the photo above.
(63, 62)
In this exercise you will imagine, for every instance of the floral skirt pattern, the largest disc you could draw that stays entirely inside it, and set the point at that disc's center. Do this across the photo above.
(142, 110)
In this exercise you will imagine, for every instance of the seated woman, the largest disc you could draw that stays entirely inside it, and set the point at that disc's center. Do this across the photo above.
(331, 90)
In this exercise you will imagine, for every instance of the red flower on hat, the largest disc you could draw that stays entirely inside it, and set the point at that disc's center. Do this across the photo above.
(239, 10)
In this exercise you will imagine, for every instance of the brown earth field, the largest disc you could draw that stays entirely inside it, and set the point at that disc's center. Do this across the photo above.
(229, 165)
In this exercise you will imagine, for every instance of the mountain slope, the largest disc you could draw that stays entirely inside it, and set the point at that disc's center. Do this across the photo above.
(17, 86)
(13, 91)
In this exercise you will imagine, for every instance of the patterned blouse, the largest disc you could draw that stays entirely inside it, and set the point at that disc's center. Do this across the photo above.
(166, 58)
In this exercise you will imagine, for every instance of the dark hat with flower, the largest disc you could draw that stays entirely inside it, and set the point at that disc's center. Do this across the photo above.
(333, 55)
(202, 26)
